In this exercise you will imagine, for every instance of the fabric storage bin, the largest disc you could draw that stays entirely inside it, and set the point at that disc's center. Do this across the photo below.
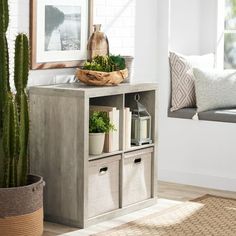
(103, 185)
(137, 176)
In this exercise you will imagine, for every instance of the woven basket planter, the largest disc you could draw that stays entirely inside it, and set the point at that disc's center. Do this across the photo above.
(99, 78)
(21, 209)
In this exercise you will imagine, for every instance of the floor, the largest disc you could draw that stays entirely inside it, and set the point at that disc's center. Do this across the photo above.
(169, 195)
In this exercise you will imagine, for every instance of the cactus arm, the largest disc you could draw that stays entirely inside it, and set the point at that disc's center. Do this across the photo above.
(21, 79)
(23, 141)
(25, 60)
(14, 144)
(10, 141)
(4, 87)
(6, 141)
(4, 16)
(21, 62)
(4, 75)
(1, 163)
(4, 55)
(18, 64)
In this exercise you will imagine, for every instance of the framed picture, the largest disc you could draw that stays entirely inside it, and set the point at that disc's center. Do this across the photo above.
(59, 32)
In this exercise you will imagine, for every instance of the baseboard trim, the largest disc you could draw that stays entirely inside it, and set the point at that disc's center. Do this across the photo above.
(196, 179)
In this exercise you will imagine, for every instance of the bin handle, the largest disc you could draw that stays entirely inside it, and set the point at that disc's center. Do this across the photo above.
(103, 170)
(137, 161)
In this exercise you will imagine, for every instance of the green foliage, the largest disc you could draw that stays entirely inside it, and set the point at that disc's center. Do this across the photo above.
(4, 75)
(21, 62)
(118, 61)
(106, 63)
(4, 16)
(14, 118)
(10, 140)
(99, 122)
(23, 140)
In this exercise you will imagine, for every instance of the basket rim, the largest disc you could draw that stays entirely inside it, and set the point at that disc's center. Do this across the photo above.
(103, 72)
(37, 180)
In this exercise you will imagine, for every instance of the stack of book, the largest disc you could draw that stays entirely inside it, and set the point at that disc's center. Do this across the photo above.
(127, 114)
(112, 138)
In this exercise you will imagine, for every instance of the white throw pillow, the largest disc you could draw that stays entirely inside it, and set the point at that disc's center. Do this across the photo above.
(205, 61)
(215, 89)
(182, 78)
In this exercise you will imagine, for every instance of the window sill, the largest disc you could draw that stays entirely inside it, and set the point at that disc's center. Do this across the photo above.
(224, 115)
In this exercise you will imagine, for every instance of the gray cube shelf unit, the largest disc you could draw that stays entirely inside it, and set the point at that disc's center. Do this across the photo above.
(82, 190)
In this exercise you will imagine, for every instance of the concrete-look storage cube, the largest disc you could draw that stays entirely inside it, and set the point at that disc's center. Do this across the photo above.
(76, 193)
(137, 176)
(103, 185)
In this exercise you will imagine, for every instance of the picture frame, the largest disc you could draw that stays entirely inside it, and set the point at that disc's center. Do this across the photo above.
(59, 31)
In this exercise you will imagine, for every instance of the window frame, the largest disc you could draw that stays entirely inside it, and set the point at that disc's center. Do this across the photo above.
(221, 34)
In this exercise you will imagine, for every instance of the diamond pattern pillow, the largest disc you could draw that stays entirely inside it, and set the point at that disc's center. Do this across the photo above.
(183, 91)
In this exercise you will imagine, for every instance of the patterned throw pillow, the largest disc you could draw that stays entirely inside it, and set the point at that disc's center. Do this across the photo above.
(183, 91)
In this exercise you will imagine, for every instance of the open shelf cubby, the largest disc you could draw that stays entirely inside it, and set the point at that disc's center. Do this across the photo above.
(83, 189)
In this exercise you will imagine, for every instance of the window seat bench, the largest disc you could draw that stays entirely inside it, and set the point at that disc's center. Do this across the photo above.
(224, 115)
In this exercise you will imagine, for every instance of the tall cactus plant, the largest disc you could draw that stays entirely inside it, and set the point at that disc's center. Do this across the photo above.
(14, 118)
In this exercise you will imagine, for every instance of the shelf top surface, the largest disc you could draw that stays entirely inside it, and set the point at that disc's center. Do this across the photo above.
(93, 91)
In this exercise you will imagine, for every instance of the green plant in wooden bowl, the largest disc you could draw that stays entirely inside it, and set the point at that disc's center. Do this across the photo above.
(99, 125)
(103, 71)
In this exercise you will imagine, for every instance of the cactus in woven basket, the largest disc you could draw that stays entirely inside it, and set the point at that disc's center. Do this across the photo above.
(14, 118)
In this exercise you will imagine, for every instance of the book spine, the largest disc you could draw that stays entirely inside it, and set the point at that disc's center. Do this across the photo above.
(128, 116)
(115, 134)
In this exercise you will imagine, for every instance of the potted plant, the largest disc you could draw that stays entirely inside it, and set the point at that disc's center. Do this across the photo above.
(21, 194)
(103, 71)
(99, 125)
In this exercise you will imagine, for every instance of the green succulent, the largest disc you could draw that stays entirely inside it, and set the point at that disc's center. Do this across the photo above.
(106, 63)
(99, 122)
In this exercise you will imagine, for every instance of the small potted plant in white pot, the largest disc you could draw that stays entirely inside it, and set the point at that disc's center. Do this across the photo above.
(99, 125)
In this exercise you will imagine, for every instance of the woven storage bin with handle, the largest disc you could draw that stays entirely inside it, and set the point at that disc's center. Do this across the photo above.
(137, 176)
(103, 186)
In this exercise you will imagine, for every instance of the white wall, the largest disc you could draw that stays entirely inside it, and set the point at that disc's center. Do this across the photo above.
(192, 152)
(146, 41)
(117, 18)
(185, 26)
(193, 26)
(208, 26)
(129, 24)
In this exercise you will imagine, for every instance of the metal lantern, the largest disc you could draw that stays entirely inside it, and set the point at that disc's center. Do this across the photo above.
(141, 124)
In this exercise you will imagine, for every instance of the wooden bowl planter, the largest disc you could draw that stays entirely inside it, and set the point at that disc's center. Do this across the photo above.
(21, 209)
(99, 78)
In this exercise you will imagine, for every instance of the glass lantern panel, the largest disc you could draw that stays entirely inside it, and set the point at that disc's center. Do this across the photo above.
(149, 129)
(143, 129)
(135, 129)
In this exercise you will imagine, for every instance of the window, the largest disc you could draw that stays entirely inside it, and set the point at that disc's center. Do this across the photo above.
(230, 34)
